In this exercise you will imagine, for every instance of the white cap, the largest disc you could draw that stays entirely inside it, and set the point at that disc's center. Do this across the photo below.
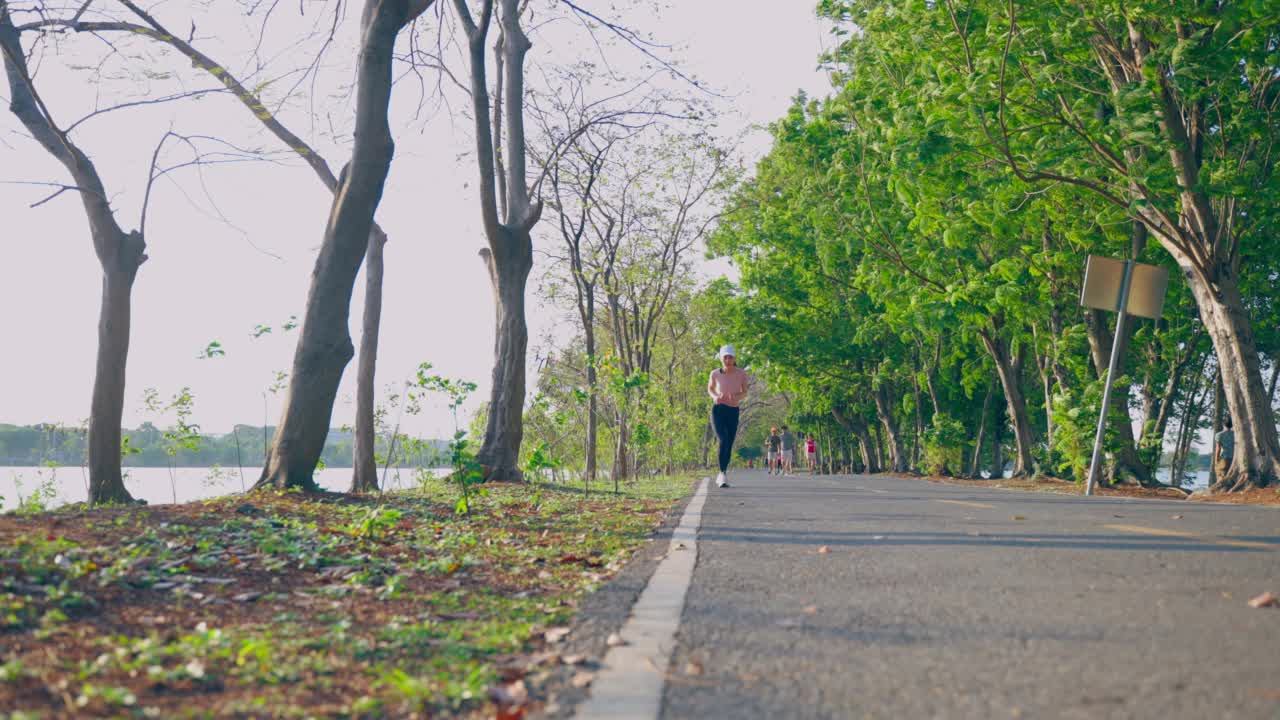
(726, 350)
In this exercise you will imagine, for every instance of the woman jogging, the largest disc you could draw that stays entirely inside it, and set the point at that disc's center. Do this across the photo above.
(727, 387)
(811, 453)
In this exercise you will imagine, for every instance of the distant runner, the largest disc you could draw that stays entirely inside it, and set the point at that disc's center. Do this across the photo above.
(727, 387)
(788, 451)
(810, 452)
(773, 444)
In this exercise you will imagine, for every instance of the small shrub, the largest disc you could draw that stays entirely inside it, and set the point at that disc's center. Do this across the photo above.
(943, 445)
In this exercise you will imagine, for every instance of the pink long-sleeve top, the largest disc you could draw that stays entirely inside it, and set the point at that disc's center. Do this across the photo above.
(728, 387)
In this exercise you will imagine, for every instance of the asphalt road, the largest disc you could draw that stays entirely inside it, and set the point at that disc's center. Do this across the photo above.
(941, 601)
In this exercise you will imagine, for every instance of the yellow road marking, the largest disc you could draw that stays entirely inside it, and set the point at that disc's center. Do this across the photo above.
(1190, 536)
(968, 504)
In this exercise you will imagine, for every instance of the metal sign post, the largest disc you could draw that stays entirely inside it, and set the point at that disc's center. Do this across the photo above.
(1125, 287)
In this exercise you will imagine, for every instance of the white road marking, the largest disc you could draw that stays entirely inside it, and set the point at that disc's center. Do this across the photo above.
(632, 677)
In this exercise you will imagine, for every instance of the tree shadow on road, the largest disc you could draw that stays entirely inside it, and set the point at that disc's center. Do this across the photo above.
(1028, 541)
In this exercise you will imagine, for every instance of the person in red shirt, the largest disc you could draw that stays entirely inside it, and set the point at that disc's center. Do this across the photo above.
(810, 452)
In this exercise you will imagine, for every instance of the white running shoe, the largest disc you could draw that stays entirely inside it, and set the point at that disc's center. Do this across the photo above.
(720, 481)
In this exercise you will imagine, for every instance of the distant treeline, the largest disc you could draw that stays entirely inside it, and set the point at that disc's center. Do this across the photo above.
(147, 446)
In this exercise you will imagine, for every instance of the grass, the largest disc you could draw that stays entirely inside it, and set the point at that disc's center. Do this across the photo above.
(287, 605)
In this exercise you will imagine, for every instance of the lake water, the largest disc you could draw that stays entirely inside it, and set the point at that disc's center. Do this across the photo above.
(157, 487)
(1200, 480)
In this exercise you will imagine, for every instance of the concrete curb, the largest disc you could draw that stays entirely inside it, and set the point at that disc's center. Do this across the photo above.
(632, 676)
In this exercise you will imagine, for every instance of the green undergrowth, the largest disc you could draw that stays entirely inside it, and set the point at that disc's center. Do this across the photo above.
(289, 605)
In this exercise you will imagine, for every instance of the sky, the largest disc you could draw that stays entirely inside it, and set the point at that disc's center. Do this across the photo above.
(231, 247)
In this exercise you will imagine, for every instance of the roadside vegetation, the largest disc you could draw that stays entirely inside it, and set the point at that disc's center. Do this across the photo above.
(291, 605)
(912, 247)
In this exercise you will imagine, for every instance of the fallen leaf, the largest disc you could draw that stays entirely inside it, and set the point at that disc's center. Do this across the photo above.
(1266, 599)
(824, 550)
(573, 659)
(789, 622)
(1019, 517)
(582, 679)
(511, 694)
(555, 634)
(543, 658)
(811, 610)
(693, 667)
(615, 640)
(247, 596)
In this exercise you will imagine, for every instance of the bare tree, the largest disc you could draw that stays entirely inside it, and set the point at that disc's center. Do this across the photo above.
(579, 137)
(364, 475)
(573, 183)
(659, 212)
(508, 213)
(324, 347)
(120, 253)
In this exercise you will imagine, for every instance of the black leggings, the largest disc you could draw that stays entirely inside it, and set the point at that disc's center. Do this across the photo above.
(725, 420)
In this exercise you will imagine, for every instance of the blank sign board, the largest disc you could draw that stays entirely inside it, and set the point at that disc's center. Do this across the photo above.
(1104, 279)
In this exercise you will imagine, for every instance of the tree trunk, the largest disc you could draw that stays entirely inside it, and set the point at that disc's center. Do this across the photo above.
(1275, 375)
(917, 436)
(1256, 460)
(1187, 432)
(866, 443)
(364, 475)
(593, 423)
(593, 429)
(1217, 425)
(499, 454)
(509, 255)
(106, 483)
(324, 346)
(1160, 408)
(620, 470)
(976, 465)
(997, 449)
(884, 410)
(1010, 371)
(881, 452)
(867, 447)
(1046, 384)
